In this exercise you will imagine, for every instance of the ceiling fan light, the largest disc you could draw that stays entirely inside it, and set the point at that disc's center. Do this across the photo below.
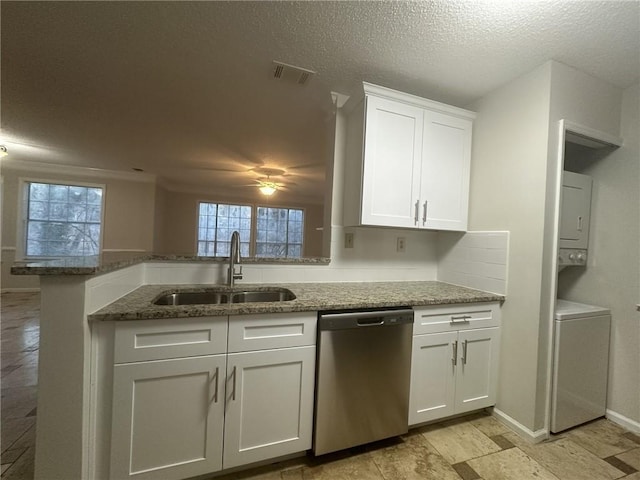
(267, 189)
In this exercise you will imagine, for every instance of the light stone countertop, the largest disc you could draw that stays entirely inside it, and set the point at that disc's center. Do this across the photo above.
(110, 261)
(138, 305)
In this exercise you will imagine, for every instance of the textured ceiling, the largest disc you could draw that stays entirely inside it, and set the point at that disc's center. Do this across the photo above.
(183, 89)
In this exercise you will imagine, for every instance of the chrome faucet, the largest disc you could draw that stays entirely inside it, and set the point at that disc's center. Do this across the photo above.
(234, 258)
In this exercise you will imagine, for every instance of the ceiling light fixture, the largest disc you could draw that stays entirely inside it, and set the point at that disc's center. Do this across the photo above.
(3, 151)
(267, 188)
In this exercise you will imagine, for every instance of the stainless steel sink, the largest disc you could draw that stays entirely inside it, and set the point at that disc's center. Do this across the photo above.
(262, 296)
(218, 296)
(192, 298)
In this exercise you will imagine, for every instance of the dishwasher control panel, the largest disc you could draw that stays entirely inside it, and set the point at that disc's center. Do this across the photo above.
(350, 319)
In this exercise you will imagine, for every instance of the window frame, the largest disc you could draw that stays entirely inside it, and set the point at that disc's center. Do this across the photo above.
(23, 208)
(213, 202)
(254, 224)
(302, 243)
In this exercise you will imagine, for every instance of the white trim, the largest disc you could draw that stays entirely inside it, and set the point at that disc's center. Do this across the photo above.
(23, 198)
(339, 99)
(535, 437)
(431, 105)
(625, 422)
(557, 206)
(591, 135)
(20, 290)
(110, 250)
(42, 167)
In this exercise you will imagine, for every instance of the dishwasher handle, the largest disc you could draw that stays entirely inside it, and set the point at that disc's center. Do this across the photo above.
(370, 322)
(349, 320)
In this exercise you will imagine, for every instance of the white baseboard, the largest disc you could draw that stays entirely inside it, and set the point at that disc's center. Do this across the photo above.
(535, 437)
(20, 290)
(623, 421)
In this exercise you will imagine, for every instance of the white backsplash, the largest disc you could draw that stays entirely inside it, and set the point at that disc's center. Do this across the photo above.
(474, 260)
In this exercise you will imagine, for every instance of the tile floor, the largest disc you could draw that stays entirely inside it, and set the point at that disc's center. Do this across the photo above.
(469, 448)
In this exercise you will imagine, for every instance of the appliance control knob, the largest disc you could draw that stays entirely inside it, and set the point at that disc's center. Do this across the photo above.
(581, 258)
(572, 257)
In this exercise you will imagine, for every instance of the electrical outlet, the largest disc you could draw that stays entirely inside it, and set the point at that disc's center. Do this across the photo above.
(348, 240)
(401, 244)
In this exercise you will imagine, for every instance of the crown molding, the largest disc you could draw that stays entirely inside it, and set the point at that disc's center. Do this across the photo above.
(42, 167)
(390, 94)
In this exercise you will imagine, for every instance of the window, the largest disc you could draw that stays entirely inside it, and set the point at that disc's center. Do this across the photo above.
(278, 232)
(62, 220)
(216, 223)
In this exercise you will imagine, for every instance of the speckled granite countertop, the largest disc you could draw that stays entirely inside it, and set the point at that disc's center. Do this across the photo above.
(108, 262)
(309, 297)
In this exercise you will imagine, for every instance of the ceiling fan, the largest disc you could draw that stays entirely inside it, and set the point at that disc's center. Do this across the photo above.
(267, 186)
(259, 168)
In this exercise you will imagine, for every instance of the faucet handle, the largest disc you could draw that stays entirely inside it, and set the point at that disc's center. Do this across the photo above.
(238, 275)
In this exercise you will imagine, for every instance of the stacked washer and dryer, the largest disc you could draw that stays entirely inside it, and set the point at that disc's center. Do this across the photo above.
(581, 332)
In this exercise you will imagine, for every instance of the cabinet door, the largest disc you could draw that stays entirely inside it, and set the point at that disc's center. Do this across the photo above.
(168, 418)
(392, 158)
(445, 172)
(476, 378)
(432, 377)
(575, 211)
(269, 410)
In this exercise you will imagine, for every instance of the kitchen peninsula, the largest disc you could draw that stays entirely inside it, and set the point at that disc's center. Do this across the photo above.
(86, 302)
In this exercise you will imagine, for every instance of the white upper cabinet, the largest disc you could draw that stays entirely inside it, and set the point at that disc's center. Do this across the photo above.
(393, 143)
(407, 162)
(446, 157)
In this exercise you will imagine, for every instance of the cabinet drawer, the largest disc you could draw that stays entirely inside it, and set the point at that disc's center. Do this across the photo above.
(141, 340)
(455, 317)
(273, 330)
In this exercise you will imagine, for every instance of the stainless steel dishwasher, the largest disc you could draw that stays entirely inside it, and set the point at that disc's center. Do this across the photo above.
(362, 384)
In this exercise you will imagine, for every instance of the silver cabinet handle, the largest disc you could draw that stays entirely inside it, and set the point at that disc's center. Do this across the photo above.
(215, 393)
(233, 392)
(424, 214)
(455, 353)
(579, 224)
(415, 218)
(460, 319)
(464, 352)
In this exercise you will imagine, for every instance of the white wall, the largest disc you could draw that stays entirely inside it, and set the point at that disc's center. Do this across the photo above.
(515, 178)
(612, 277)
(508, 176)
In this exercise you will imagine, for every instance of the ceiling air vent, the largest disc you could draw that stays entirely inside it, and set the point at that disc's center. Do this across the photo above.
(291, 73)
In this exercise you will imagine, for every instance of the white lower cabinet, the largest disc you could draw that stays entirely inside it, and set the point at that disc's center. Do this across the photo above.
(168, 418)
(175, 418)
(269, 404)
(455, 370)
